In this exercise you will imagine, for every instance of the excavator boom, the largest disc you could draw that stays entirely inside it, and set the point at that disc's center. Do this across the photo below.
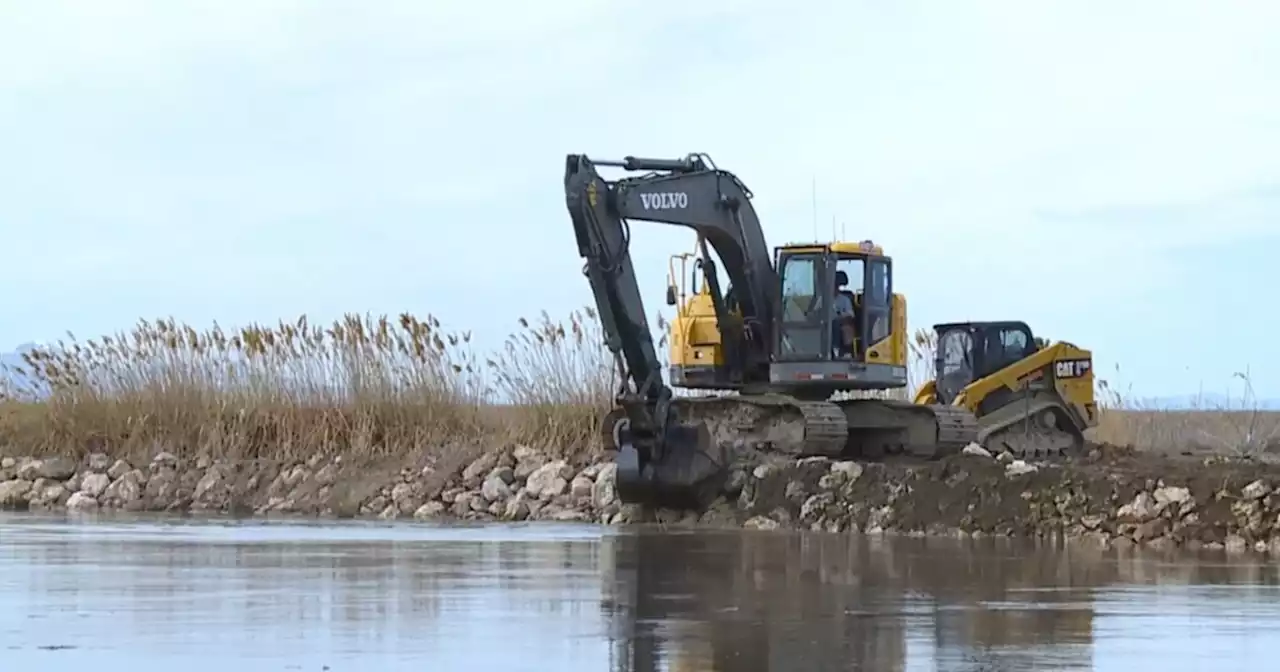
(661, 459)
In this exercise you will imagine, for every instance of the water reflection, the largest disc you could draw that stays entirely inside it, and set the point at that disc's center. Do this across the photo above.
(151, 595)
(755, 602)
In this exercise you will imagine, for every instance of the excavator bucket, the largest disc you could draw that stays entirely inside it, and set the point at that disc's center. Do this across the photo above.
(685, 471)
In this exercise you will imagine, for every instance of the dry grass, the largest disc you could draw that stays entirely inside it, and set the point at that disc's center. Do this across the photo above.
(1233, 427)
(363, 386)
(375, 387)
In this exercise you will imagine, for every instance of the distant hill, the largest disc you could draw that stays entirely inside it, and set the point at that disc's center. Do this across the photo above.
(1209, 402)
(11, 362)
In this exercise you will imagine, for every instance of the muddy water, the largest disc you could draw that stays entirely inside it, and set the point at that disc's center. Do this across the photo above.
(150, 594)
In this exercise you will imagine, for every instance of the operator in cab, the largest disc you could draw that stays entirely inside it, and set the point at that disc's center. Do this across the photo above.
(844, 325)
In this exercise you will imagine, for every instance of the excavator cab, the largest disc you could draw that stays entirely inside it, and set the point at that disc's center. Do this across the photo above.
(836, 322)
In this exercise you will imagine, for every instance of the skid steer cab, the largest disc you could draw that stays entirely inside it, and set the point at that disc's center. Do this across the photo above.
(1007, 377)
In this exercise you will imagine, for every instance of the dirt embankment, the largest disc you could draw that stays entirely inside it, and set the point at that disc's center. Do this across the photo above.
(1114, 497)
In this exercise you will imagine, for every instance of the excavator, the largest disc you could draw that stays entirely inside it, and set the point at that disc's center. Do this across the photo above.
(782, 342)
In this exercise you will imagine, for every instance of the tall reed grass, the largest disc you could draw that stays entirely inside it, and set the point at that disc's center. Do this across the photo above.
(376, 386)
(363, 385)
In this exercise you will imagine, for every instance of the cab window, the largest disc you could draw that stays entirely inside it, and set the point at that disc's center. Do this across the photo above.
(1014, 343)
(800, 299)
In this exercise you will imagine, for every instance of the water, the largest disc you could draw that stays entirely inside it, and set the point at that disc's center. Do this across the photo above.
(155, 594)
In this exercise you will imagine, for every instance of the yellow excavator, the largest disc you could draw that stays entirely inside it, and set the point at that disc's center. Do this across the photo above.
(795, 327)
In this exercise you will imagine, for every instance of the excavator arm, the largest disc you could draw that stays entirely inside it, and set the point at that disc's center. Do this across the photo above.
(659, 458)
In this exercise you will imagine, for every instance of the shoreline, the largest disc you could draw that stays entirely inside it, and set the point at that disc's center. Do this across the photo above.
(1113, 497)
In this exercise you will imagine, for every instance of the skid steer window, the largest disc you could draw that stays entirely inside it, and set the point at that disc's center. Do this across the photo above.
(956, 371)
(1015, 344)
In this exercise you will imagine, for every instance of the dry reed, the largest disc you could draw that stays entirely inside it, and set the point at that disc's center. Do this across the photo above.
(377, 387)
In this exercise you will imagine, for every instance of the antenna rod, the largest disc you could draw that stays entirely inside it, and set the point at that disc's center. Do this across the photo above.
(814, 187)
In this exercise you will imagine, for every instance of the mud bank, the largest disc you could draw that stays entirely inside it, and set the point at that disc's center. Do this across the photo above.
(1113, 497)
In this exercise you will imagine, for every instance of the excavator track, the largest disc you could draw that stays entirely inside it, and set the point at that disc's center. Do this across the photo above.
(773, 423)
(890, 427)
(778, 425)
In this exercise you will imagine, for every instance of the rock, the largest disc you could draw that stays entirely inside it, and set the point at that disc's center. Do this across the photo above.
(735, 482)
(505, 474)
(516, 508)
(548, 480)
(1018, 468)
(763, 471)
(478, 503)
(975, 449)
(164, 459)
(472, 474)
(328, 474)
(430, 510)
(1005, 458)
(98, 463)
(401, 494)
(581, 487)
(528, 461)
(523, 453)
(81, 501)
(1235, 543)
(495, 489)
(461, 504)
(8, 463)
(211, 479)
(815, 506)
(119, 468)
(848, 470)
(51, 495)
(879, 517)
(1256, 490)
(295, 476)
(29, 469)
(1151, 529)
(570, 515)
(126, 489)
(162, 487)
(376, 504)
(14, 493)
(56, 468)
(95, 484)
(760, 523)
(592, 471)
(1140, 510)
(1169, 495)
(1091, 522)
(604, 492)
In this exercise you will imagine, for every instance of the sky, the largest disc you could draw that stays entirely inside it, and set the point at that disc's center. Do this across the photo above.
(1108, 173)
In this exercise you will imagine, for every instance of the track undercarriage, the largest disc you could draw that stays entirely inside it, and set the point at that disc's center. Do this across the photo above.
(748, 428)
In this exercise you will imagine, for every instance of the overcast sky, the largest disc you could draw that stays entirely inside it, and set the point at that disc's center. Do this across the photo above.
(1108, 172)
